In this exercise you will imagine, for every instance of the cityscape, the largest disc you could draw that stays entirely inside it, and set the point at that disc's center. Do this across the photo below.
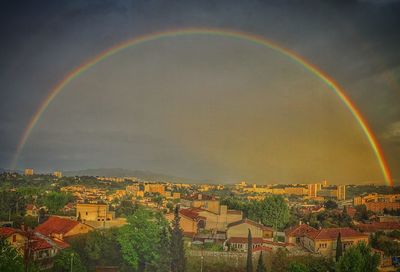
(200, 136)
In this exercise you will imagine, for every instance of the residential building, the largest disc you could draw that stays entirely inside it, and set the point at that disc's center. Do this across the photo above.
(378, 202)
(241, 228)
(378, 226)
(28, 172)
(300, 191)
(61, 228)
(324, 241)
(312, 190)
(94, 212)
(341, 192)
(57, 174)
(191, 221)
(155, 188)
(295, 234)
(42, 248)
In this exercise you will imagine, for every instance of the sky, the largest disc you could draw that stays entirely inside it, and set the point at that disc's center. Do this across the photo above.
(202, 106)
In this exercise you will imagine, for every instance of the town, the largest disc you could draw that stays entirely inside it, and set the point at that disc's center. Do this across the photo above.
(92, 223)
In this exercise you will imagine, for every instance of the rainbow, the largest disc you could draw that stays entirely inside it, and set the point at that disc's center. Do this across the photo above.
(214, 32)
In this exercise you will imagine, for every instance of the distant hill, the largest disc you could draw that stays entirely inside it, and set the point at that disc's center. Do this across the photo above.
(120, 172)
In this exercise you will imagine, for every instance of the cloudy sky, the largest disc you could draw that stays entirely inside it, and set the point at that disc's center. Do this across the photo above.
(203, 106)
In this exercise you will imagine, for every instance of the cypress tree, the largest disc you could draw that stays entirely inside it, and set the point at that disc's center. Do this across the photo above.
(339, 247)
(249, 253)
(260, 265)
(178, 260)
(164, 264)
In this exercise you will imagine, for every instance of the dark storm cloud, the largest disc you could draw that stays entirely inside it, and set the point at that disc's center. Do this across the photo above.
(356, 42)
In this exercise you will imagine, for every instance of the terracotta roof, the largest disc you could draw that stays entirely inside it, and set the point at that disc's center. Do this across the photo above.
(39, 244)
(6, 231)
(243, 240)
(377, 226)
(60, 243)
(250, 222)
(234, 212)
(56, 225)
(332, 233)
(192, 214)
(262, 248)
(299, 230)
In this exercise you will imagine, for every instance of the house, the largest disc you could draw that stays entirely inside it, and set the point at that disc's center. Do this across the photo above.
(61, 228)
(217, 216)
(191, 221)
(258, 244)
(324, 241)
(31, 210)
(42, 249)
(15, 237)
(94, 212)
(294, 234)
(240, 229)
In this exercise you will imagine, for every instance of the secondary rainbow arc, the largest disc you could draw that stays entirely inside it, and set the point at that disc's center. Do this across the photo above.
(216, 32)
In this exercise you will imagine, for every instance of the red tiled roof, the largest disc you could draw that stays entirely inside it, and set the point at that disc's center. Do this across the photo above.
(39, 244)
(6, 231)
(191, 213)
(262, 248)
(60, 243)
(234, 212)
(299, 230)
(377, 226)
(243, 240)
(332, 233)
(250, 222)
(56, 225)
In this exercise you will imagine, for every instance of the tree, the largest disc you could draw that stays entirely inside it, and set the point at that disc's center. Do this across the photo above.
(139, 239)
(298, 267)
(358, 258)
(10, 259)
(330, 204)
(249, 266)
(102, 248)
(125, 208)
(63, 260)
(178, 260)
(272, 211)
(164, 263)
(279, 261)
(54, 201)
(260, 264)
(339, 247)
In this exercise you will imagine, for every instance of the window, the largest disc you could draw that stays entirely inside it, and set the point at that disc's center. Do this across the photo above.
(323, 245)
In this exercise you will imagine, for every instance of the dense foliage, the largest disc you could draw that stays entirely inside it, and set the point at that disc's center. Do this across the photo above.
(358, 258)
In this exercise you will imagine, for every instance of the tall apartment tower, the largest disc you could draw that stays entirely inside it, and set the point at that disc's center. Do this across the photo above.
(57, 174)
(341, 192)
(313, 189)
(28, 172)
